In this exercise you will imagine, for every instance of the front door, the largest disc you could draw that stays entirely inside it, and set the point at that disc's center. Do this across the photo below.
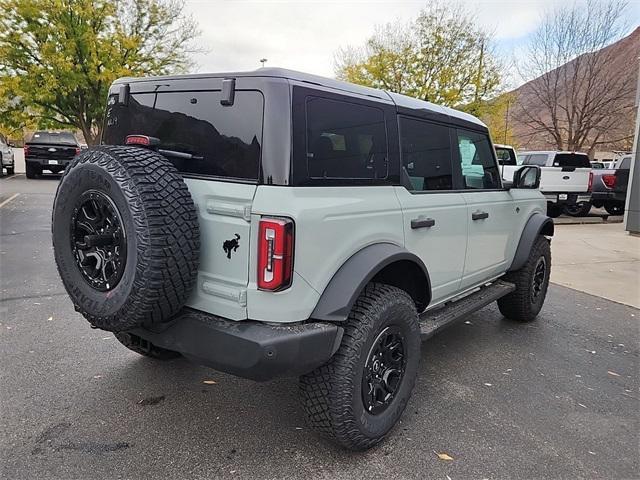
(491, 211)
(434, 215)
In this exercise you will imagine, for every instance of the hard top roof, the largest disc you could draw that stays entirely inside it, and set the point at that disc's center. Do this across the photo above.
(399, 100)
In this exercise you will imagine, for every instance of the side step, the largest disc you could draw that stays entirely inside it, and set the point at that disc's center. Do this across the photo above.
(433, 321)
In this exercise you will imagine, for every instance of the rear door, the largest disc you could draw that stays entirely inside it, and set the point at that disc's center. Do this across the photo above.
(434, 215)
(491, 213)
(217, 148)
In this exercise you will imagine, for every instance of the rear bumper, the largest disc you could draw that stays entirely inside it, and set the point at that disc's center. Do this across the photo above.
(567, 198)
(604, 197)
(46, 163)
(249, 349)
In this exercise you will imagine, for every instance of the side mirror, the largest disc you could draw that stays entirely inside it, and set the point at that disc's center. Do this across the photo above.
(527, 177)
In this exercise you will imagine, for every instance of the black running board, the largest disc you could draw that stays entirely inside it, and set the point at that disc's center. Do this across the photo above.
(432, 321)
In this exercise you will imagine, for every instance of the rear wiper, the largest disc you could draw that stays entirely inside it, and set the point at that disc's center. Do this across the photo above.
(181, 155)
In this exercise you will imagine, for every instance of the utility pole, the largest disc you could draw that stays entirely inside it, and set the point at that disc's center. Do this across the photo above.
(506, 121)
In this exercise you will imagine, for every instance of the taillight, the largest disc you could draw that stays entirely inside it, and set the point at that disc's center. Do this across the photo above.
(590, 186)
(77, 150)
(275, 253)
(26, 150)
(609, 180)
(143, 140)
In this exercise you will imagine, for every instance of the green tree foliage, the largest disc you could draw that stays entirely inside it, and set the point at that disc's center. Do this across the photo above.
(58, 57)
(442, 56)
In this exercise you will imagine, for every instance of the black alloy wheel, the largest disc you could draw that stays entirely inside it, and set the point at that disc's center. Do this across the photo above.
(383, 370)
(98, 240)
(539, 277)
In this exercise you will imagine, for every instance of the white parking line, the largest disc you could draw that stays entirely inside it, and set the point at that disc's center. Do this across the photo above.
(13, 176)
(9, 199)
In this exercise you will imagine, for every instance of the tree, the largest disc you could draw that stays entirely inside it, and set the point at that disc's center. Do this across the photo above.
(441, 57)
(58, 57)
(578, 99)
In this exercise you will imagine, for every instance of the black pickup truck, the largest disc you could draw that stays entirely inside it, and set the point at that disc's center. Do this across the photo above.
(49, 151)
(610, 187)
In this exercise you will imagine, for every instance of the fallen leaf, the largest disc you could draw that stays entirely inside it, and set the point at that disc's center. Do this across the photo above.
(488, 384)
(444, 456)
(50, 318)
(210, 382)
(97, 376)
(468, 322)
(613, 373)
(583, 406)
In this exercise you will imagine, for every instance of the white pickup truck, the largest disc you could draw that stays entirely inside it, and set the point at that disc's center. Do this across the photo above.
(566, 176)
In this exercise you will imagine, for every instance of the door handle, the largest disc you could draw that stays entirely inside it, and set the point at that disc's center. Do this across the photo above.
(422, 222)
(478, 215)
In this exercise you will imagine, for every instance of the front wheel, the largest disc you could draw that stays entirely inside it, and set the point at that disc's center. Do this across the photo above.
(531, 281)
(361, 393)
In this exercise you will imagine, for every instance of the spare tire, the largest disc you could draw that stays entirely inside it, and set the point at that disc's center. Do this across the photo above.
(125, 237)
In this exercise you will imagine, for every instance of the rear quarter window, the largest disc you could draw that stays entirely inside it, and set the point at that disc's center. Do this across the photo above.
(539, 159)
(221, 141)
(344, 140)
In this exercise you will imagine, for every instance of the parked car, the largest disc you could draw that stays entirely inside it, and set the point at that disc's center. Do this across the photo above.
(6, 158)
(49, 151)
(597, 165)
(275, 223)
(566, 178)
(610, 187)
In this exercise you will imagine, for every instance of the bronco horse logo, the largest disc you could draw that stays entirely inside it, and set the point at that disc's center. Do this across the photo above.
(231, 245)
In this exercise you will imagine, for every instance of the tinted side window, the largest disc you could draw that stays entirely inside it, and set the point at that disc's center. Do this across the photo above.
(576, 160)
(223, 141)
(479, 169)
(426, 154)
(345, 140)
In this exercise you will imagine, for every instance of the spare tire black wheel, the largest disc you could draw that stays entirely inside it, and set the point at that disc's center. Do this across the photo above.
(125, 237)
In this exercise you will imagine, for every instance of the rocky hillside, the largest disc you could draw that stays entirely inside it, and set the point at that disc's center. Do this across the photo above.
(619, 72)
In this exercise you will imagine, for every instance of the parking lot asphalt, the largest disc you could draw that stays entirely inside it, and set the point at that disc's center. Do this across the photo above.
(557, 398)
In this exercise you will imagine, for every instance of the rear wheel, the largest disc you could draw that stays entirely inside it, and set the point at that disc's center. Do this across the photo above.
(32, 170)
(10, 170)
(144, 347)
(531, 281)
(616, 208)
(581, 209)
(361, 393)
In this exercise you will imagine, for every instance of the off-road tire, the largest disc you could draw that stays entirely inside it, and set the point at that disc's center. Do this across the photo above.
(581, 209)
(614, 208)
(161, 236)
(32, 171)
(144, 347)
(332, 394)
(520, 305)
(553, 211)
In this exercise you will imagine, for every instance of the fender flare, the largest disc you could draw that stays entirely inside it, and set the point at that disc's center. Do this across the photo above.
(538, 224)
(349, 281)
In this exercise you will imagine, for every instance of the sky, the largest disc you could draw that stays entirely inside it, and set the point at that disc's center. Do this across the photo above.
(305, 34)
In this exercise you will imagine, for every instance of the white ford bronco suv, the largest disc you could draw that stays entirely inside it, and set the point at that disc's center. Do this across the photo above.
(275, 223)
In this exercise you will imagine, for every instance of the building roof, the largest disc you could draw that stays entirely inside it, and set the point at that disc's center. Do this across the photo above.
(399, 100)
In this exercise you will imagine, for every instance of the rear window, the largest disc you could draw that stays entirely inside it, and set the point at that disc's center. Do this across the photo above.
(506, 156)
(196, 133)
(64, 138)
(345, 140)
(539, 159)
(574, 160)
